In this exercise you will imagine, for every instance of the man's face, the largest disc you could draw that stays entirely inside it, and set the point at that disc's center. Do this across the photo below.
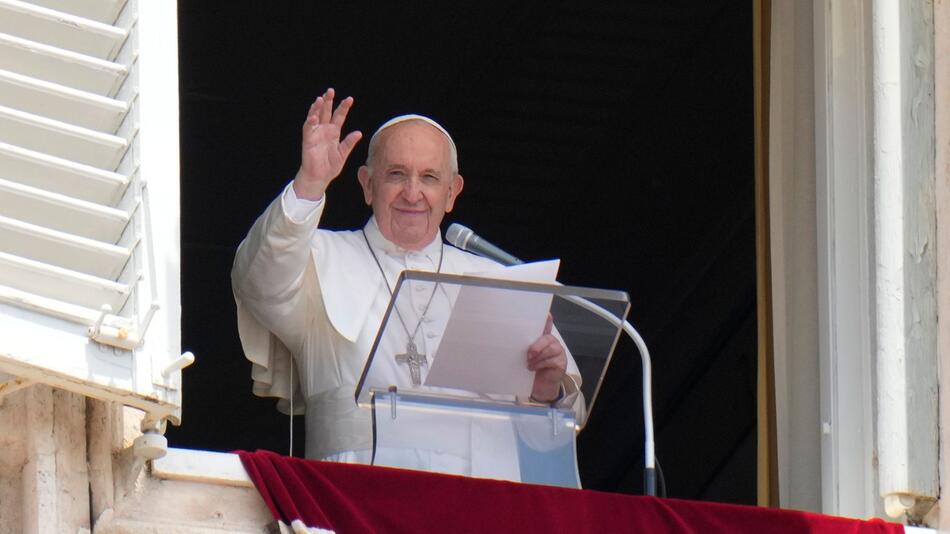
(410, 183)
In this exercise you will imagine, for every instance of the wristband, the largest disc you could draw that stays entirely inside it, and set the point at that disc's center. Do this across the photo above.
(554, 401)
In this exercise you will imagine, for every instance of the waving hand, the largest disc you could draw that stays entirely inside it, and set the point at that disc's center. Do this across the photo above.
(322, 153)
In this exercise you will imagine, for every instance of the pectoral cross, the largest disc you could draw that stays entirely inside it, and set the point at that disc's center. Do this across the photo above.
(415, 360)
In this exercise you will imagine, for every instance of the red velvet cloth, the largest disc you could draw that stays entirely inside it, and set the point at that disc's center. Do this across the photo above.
(359, 498)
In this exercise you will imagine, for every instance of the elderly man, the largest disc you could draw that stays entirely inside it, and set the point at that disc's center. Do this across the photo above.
(316, 298)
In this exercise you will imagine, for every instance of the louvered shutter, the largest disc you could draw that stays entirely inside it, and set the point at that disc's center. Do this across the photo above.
(89, 269)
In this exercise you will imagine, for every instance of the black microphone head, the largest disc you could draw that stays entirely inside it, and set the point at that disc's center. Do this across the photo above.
(458, 235)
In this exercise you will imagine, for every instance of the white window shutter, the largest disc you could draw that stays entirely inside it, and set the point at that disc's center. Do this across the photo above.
(89, 246)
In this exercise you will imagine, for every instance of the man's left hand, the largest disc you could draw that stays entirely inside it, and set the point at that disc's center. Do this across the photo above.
(547, 358)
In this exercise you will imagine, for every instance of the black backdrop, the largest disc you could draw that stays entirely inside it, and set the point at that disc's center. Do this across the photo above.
(614, 135)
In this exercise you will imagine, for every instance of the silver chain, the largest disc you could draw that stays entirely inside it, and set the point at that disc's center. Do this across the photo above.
(412, 336)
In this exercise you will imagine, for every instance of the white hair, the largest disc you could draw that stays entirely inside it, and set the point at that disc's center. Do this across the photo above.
(374, 141)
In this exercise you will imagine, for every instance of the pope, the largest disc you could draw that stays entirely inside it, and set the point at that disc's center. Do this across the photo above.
(310, 300)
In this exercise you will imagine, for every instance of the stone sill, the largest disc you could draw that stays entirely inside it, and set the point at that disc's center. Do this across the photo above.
(207, 467)
(185, 492)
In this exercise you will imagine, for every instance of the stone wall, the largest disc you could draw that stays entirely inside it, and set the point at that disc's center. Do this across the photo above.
(67, 465)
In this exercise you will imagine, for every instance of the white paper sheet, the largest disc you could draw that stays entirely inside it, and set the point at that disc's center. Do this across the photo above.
(485, 344)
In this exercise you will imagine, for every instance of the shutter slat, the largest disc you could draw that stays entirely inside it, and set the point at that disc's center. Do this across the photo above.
(104, 11)
(58, 175)
(38, 60)
(46, 306)
(62, 103)
(62, 249)
(61, 284)
(59, 29)
(61, 212)
(60, 139)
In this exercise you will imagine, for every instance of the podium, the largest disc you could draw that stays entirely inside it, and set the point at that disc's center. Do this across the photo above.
(447, 379)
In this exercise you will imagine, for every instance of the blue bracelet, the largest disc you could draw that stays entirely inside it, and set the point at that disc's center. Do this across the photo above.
(560, 395)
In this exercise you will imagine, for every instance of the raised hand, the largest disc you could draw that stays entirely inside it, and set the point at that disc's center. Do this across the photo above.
(322, 153)
(546, 357)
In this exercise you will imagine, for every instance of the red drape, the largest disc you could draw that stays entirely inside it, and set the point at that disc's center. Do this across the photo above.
(358, 498)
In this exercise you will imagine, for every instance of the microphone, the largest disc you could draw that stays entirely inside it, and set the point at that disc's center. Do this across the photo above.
(465, 239)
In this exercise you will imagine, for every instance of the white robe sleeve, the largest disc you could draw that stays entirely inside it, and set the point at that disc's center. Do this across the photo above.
(269, 280)
(288, 273)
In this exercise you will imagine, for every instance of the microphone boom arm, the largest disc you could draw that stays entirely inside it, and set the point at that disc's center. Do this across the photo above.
(649, 447)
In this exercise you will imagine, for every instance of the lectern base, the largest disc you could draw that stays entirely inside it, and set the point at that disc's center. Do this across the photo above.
(476, 438)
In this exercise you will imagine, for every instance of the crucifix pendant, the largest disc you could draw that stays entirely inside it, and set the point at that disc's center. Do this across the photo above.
(415, 360)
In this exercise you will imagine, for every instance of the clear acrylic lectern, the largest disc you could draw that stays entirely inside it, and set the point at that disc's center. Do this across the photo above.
(448, 384)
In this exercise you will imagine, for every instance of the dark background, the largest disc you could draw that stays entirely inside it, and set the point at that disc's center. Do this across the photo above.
(617, 136)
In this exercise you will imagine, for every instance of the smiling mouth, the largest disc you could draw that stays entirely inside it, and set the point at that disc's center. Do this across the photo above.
(410, 211)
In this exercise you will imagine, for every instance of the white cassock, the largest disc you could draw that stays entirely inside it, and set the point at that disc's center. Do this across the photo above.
(319, 295)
